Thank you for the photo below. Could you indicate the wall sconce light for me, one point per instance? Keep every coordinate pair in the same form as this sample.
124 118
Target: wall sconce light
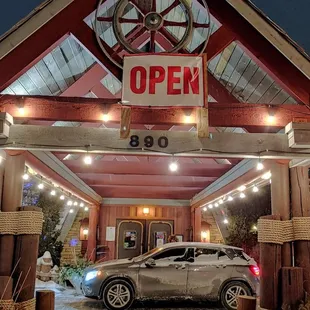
146 211
85 232
204 234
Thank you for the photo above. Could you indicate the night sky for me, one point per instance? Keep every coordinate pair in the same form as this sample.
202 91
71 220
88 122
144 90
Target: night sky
291 15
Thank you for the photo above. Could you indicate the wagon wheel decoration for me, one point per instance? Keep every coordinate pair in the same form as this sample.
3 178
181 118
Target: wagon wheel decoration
149 21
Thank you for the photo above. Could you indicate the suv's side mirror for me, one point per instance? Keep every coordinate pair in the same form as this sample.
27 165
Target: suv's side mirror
150 263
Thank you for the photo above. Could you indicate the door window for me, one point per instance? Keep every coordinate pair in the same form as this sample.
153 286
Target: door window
130 239
206 255
171 255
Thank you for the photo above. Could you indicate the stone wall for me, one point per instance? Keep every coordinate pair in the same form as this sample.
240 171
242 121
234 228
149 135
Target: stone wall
215 233
71 253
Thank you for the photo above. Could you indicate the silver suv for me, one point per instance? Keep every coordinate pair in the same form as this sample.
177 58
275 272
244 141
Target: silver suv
201 271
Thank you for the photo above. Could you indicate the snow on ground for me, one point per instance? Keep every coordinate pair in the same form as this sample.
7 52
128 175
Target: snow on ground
68 299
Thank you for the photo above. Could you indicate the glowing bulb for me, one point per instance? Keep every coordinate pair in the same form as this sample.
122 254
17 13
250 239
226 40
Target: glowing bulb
204 209
204 234
216 205
254 227
210 206
266 176
21 111
26 176
41 186
225 221
242 188
221 201
85 232
187 119
81 204
86 209
69 203
230 198
173 167
260 166
62 197
88 160
146 211
53 193
242 195
71 211
105 117
75 203
271 119
255 189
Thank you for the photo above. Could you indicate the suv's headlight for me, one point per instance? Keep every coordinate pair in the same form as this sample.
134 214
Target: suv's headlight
91 275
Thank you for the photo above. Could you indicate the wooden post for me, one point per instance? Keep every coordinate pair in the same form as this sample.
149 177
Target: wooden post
125 122
196 224
270 259
246 303
92 233
11 201
45 300
7 284
292 287
25 260
280 202
300 196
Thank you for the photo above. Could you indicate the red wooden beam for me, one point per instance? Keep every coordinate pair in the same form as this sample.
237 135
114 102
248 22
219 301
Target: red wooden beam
92 110
41 42
273 61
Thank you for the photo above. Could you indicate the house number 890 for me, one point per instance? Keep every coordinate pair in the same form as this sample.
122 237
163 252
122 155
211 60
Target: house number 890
149 141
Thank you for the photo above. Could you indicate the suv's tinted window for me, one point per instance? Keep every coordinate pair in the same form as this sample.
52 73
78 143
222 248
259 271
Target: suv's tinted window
205 254
176 254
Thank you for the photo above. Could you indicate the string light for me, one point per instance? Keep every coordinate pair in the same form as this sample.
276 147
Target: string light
26 176
255 189
86 209
221 201
210 206
242 188
69 203
260 166
242 195
75 203
88 160
62 197
41 186
53 192
81 204
216 205
204 209
71 211
230 198
266 176
225 221
173 166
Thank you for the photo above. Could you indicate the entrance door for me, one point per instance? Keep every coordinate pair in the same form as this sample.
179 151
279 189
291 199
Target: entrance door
129 238
158 233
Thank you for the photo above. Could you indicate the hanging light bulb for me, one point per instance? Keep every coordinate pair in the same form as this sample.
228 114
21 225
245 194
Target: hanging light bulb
255 189
71 211
242 188
26 176
21 111
88 160
62 197
41 186
69 203
210 206
221 201
225 221
53 192
266 176
260 165
86 209
230 198
75 203
242 195
254 227
216 205
204 209
105 117
173 166
81 204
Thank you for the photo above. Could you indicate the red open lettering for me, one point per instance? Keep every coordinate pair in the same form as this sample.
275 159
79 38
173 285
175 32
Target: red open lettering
134 77
191 80
157 75
172 79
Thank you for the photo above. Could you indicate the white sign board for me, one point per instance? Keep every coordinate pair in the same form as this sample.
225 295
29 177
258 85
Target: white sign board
110 234
163 80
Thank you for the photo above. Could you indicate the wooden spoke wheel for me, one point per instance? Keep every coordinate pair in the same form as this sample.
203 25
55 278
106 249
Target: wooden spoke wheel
149 20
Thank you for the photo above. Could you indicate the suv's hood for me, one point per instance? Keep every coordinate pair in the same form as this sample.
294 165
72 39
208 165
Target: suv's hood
111 263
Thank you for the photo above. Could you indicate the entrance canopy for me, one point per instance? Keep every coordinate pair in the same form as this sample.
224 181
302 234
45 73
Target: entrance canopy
258 82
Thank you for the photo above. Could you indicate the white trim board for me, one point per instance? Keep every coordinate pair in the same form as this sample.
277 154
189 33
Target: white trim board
148 202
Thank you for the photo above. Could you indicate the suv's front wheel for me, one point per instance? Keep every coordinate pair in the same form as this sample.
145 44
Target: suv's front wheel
118 295
230 293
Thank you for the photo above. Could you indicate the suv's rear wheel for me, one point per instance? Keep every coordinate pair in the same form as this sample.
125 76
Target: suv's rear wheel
230 293
118 295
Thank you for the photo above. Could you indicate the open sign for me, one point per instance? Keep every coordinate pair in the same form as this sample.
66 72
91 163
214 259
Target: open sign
163 80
